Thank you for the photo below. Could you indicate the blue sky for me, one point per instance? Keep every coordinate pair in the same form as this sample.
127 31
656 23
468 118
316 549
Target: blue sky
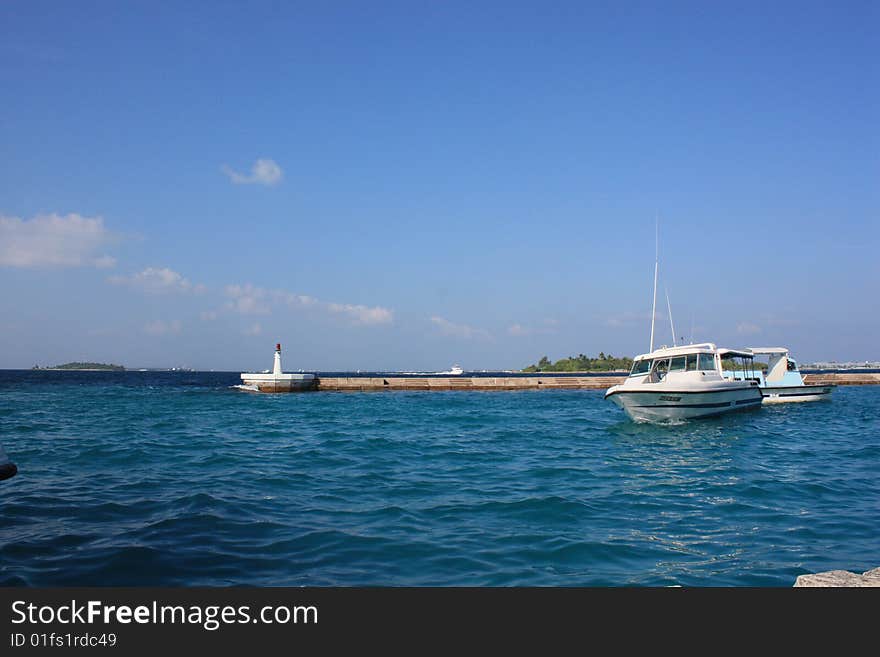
403 185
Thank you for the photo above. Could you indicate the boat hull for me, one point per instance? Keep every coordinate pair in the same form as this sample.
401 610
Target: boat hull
673 405
789 394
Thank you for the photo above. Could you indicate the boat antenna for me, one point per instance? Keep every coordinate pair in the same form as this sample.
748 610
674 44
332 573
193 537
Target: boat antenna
656 266
669 308
692 327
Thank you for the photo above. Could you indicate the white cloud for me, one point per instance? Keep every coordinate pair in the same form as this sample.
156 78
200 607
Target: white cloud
519 330
248 299
294 300
362 314
158 327
53 240
263 172
208 315
746 328
155 280
252 300
253 329
462 331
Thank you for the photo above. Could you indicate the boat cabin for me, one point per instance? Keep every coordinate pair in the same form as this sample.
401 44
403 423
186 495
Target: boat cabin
698 360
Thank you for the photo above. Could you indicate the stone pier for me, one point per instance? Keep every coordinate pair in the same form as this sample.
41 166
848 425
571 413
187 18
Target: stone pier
534 382
363 383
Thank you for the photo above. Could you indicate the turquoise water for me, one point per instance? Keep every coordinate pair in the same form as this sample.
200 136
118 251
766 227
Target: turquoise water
178 479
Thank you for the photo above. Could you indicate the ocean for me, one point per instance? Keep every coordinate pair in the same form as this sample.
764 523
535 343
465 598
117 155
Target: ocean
179 479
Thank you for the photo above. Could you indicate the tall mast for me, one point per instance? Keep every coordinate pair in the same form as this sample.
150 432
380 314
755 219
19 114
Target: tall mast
656 266
669 309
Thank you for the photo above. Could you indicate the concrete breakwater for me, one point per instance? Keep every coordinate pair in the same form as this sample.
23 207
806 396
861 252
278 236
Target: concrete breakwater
537 382
467 383
843 379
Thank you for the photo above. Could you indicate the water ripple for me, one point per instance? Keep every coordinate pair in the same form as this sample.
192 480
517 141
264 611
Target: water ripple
177 479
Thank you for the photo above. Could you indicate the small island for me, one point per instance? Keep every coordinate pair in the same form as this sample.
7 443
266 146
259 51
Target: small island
103 367
582 363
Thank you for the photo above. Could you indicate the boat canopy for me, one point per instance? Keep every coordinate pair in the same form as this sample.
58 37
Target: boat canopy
736 353
668 352
782 351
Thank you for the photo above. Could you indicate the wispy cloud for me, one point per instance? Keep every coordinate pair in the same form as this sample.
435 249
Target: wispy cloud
362 314
462 331
263 172
53 240
252 300
159 327
253 329
208 315
156 280
248 299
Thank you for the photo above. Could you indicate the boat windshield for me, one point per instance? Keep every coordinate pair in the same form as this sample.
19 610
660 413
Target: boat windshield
641 367
792 366
685 363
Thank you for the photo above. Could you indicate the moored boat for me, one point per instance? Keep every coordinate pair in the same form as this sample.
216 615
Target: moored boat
782 381
682 383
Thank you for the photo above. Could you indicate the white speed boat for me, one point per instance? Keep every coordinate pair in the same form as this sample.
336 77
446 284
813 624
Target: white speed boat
682 383
455 370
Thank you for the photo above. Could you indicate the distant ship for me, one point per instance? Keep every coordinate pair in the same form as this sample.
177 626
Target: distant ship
455 370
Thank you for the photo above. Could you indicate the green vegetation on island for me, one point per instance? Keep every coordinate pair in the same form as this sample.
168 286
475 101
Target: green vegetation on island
582 363
609 363
84 366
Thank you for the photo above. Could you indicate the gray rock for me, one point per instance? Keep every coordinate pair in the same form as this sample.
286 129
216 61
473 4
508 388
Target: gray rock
840 578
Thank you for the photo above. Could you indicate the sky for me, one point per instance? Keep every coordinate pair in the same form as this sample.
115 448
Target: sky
404 186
